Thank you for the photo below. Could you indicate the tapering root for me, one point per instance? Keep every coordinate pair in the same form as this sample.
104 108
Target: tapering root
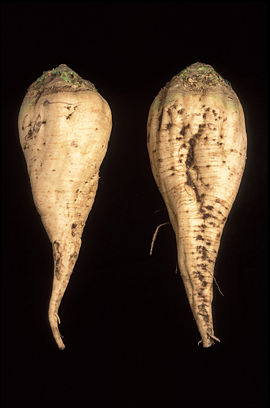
54 321
210 341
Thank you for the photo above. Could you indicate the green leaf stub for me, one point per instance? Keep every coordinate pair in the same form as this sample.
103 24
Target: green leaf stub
200 75
63 71
59 79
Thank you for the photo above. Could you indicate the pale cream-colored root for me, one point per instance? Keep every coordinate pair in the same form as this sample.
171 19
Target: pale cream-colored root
54 321
155 235
205 327
59 287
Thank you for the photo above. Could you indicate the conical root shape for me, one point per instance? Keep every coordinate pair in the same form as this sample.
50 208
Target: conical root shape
196 140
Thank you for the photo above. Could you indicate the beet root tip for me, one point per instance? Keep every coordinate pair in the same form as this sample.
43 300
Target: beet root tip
54 321
209 342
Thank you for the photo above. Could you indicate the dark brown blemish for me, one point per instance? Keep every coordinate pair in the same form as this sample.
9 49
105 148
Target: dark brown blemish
201 209
73 226
200 131
57 257
205 318
200 275
202 307
204 253
203 312
32 133
209 207
190 155
37 126
203 266
169 125
199 237
202 250
184 129
200 293
180 111
190 183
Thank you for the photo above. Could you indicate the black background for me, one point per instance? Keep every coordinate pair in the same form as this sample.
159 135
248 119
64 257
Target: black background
127 326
